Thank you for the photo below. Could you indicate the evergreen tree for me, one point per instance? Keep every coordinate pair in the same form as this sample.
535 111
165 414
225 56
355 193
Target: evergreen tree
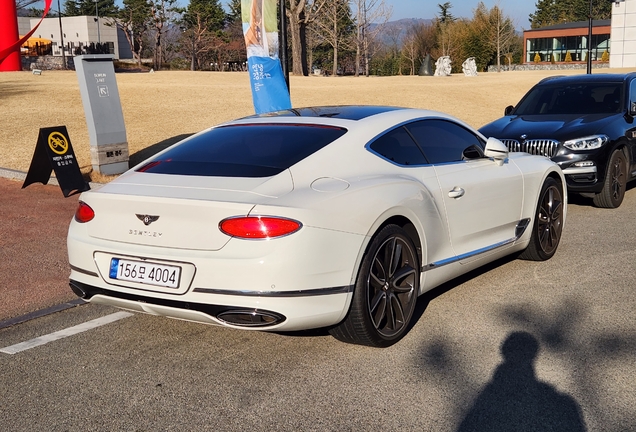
444 13
206 13
234 30
334 27
71 8
444 22
235 11
135 19
101 8
551 12
204 21
163 11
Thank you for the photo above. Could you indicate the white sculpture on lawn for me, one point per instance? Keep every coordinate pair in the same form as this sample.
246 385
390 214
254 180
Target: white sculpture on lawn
443 66
470 67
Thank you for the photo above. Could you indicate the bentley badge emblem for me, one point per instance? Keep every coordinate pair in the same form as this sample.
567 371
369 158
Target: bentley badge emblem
146 219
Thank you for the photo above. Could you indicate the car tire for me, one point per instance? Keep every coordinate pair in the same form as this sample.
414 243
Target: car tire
548 223
385 292
615 182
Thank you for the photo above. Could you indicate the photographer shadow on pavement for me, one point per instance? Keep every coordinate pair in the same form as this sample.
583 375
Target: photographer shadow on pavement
514 400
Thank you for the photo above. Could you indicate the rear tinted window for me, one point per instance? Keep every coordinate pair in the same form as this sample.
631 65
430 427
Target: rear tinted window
580 98
261 150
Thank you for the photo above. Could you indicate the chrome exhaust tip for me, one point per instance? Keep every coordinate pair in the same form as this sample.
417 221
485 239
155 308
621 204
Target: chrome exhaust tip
250 318
77 289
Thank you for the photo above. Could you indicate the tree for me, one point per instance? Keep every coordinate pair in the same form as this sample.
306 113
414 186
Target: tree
208 12
300 14
162 12
101 8
550 12
452 35
496 31
234 15
71 8
391 61
204 21
444 24
297 16
444 13
171 47
236 50
22 4
334 26
425 35
134 20
368 12
409 50
420 39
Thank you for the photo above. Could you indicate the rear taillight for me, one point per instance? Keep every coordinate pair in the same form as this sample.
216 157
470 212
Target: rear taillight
254 227
84 213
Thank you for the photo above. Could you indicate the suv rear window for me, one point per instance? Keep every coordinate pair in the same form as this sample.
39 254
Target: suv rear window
247 150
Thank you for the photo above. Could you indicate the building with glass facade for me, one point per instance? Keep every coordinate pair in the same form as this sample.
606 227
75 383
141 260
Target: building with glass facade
553 43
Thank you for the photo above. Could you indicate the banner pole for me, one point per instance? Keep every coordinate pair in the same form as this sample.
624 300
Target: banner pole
282 41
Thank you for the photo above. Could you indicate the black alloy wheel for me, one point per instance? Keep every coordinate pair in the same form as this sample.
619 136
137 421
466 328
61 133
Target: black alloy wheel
615 182
385 293
548 223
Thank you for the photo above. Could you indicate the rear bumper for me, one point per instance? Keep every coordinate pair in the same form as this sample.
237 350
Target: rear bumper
293 283
299 310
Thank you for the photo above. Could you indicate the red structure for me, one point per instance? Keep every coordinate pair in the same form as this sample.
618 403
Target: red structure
9 36
10 41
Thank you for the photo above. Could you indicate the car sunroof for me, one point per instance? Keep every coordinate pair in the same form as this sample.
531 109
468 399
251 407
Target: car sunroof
347 112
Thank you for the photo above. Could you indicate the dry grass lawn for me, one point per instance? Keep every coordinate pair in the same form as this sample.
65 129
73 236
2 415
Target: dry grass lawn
163 106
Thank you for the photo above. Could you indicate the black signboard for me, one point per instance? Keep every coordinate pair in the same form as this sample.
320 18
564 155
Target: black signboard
54 152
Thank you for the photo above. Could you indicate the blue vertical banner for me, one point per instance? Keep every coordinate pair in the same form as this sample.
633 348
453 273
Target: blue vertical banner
260 28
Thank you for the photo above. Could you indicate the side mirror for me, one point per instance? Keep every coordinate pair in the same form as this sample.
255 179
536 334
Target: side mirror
496 150
632 109
472 152
508 110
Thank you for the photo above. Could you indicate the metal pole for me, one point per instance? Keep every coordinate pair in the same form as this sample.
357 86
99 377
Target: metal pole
282 41
59 16
589 42
99 39
193 65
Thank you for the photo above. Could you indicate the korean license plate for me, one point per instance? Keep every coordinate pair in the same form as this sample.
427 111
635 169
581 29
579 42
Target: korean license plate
145 272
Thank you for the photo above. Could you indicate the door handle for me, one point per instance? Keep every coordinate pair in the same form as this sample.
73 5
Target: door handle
456 192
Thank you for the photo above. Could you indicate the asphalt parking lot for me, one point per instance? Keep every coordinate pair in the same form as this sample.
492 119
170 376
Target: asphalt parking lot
517 346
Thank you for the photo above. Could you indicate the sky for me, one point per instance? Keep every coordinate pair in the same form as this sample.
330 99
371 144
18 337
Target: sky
517 10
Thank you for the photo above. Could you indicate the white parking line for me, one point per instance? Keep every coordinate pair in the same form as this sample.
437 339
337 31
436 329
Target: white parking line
23 346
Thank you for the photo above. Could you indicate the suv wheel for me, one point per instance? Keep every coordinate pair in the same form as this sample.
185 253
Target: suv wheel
615 182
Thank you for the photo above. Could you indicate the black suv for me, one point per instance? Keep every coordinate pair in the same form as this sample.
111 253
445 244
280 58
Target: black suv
584 123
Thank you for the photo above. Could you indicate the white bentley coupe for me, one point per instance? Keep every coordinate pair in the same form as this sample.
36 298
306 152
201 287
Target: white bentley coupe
333 217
